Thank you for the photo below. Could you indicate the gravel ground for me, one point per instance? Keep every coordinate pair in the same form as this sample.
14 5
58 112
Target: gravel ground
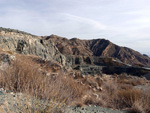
91 109
18 103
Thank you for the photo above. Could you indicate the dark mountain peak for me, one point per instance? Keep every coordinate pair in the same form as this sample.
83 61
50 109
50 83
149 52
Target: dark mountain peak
145 55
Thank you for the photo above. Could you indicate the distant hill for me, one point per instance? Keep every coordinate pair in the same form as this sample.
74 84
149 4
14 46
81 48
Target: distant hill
52 46
98 47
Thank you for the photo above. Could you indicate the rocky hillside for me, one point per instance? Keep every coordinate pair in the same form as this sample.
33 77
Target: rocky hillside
52 74
88 56
63 50
25 43
98 47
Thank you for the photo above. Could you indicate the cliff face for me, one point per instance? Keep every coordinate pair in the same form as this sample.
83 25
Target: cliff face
24 43
99 48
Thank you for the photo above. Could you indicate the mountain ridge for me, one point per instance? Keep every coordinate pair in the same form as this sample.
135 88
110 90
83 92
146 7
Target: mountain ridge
78 47
100 48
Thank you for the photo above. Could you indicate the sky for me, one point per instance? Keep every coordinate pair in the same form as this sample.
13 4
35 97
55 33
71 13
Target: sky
123 22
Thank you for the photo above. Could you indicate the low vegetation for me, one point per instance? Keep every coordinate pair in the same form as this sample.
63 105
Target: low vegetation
57 89
23 77
123 95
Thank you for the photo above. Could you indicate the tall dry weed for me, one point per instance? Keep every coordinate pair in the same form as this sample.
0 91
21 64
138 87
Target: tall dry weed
23 77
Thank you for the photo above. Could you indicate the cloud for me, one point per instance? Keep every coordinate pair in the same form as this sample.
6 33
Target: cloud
76 26
87 21
123 22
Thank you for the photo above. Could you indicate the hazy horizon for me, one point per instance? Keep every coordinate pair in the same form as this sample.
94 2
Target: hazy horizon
123 22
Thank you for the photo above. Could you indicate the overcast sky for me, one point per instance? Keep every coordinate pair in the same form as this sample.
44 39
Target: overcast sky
124 22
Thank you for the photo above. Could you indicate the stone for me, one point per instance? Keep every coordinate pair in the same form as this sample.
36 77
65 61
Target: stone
5 60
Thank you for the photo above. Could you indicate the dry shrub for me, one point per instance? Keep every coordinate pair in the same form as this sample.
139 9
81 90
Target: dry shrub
128 97
135 100
109 93
93 82
137 108
146 102
137 82
22 76
142 105
90 101
70 89
121 96
124 96
125 86
131 80
110 87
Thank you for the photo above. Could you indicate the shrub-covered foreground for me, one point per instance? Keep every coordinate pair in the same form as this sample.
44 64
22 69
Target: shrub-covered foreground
23 77
61 89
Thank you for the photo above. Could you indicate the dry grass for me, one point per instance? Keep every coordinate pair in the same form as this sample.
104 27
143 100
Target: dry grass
23 76
26 75
115 94
142 105
122 96
109 93
135 100
129 97
131 80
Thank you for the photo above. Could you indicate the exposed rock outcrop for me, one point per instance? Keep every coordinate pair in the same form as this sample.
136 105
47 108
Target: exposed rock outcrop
88 56
5 60
24 43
